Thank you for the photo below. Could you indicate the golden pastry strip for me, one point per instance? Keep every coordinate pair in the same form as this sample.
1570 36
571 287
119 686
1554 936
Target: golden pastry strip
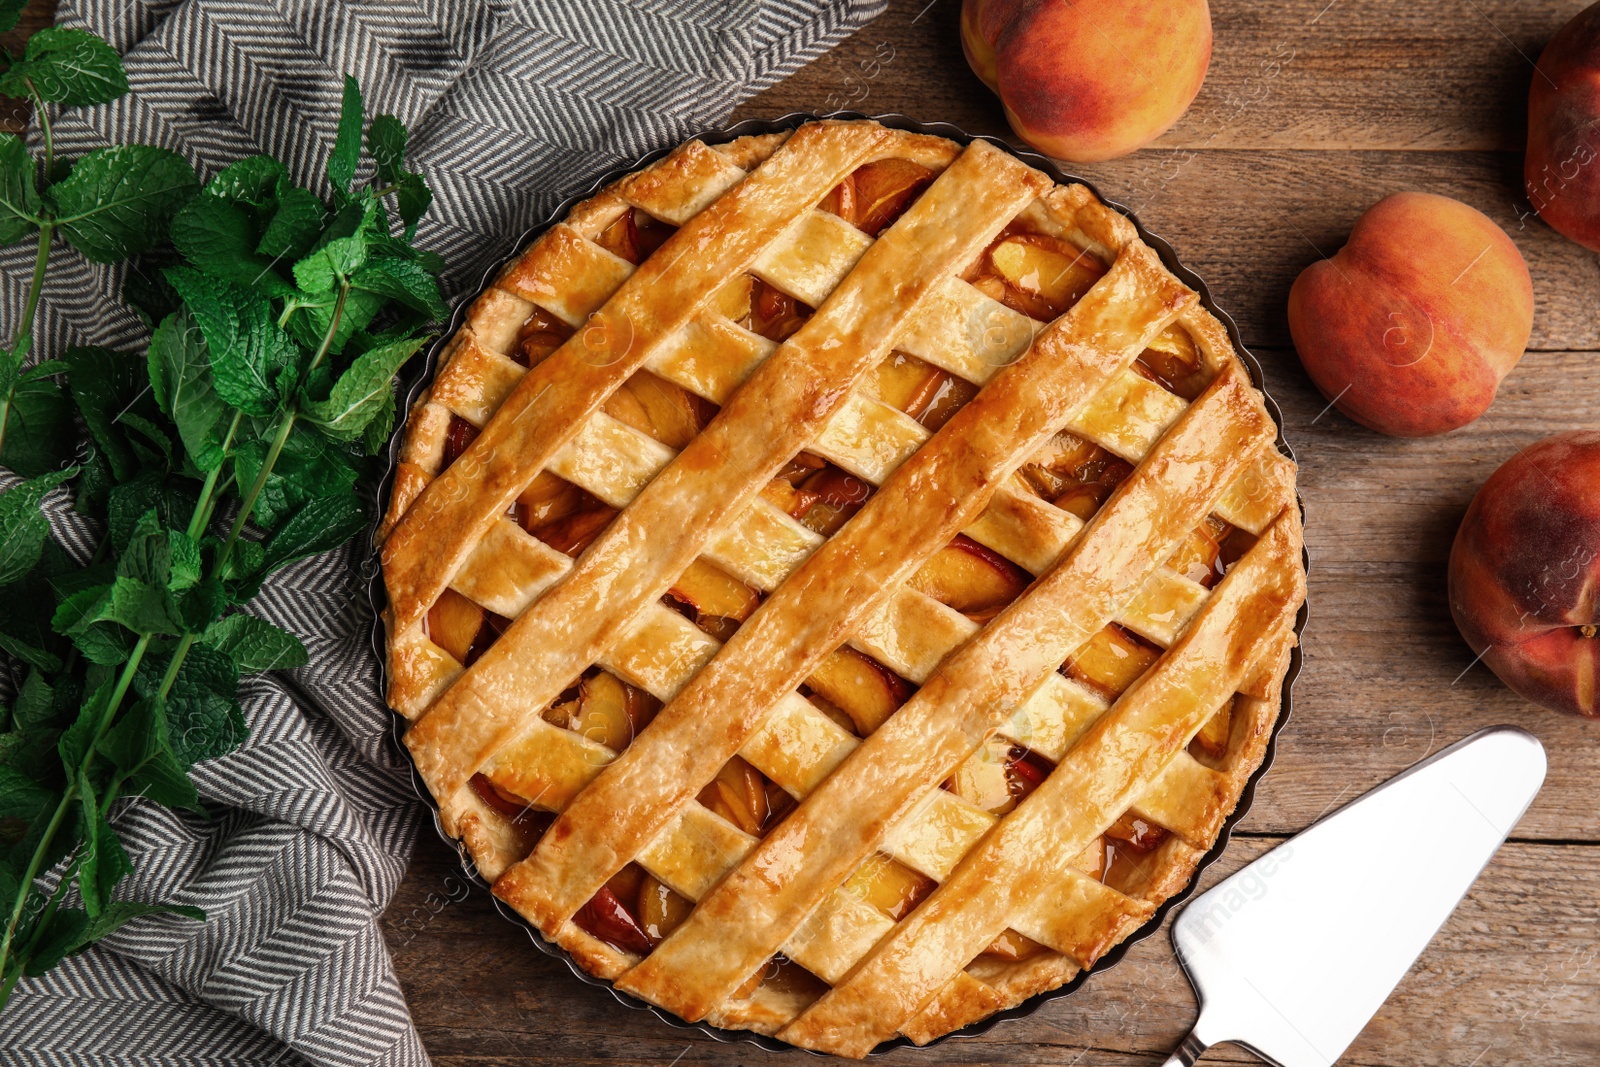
782 406
877 787
1002 879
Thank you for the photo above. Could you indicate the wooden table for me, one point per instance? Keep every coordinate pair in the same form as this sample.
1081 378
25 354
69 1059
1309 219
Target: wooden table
1313 110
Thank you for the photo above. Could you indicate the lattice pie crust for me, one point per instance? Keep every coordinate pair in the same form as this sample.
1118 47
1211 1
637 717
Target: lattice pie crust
840 582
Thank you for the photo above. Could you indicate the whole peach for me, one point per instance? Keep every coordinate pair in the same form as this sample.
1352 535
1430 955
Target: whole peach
1525 573
1092 79
1561 172
1411 326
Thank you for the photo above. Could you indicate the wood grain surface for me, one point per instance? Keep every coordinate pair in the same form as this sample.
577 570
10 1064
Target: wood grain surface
1311 111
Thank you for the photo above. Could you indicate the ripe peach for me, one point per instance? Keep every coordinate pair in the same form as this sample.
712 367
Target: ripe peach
1525 573
1411 326
1092 79
1561 172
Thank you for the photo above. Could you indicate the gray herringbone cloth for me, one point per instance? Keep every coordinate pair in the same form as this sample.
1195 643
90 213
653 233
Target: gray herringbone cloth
512 104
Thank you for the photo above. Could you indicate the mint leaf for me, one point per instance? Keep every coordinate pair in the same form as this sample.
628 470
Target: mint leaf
66 66
35 704
102 862
311 465
20 796
324 523
144 608
295 226
23 527
412 200
203 715
402 280
250 356
386 140
140 606
332 263
132 740
106 386
10 12
180 378
376 435
218 238
253 180
73 744
359 394
118 201
347 145
148 557
25 630
255 645
139 746
146 290
39 434
360 307
162 779
19 200
174 501
105 643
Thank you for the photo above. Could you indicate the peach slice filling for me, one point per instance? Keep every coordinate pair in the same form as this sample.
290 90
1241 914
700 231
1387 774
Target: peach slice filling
855 690
971 578
875 194
921 390
1034 274
461 627
540 334
1076 475
560 514
604 709
712 599
1209 550
762 308
634 235
1173 362
661 409
815 493
1043 276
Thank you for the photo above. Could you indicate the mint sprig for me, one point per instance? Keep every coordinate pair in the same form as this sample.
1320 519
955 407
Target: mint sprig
230 448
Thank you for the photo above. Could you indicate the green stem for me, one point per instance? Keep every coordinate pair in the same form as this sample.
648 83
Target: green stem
35 288
60 814
254 492
333 328
44 128
5 989
208 491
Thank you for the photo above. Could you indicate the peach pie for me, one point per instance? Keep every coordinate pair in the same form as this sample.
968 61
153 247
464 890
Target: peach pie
839 583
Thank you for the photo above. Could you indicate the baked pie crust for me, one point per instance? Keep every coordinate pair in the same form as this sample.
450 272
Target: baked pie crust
876 573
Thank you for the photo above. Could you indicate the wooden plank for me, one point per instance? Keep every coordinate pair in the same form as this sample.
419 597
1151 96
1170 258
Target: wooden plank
1249 222
1510 979
1296 74
1387 678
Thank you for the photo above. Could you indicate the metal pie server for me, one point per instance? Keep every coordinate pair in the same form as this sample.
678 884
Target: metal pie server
1291 956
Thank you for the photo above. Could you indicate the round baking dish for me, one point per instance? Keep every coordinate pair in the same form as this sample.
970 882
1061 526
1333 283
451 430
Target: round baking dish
419 374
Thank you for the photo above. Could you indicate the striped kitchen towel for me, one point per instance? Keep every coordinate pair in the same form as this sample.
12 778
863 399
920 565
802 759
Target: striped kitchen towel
512 104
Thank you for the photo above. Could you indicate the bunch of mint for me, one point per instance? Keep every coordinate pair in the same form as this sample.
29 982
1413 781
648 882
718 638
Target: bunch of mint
231 448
